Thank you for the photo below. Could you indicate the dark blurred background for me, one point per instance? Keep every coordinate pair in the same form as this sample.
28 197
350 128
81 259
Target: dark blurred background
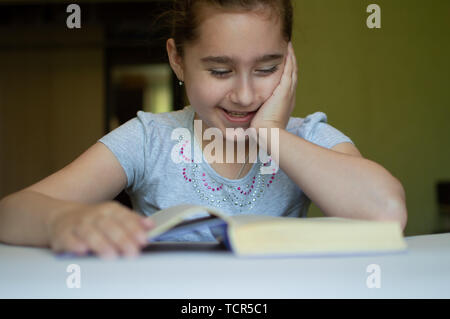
62 89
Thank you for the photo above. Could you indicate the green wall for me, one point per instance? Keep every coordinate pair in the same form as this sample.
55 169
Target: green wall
388 89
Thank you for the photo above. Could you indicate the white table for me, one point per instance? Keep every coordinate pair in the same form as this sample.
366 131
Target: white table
170 271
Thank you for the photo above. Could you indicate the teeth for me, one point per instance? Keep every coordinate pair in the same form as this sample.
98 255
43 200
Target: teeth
237 114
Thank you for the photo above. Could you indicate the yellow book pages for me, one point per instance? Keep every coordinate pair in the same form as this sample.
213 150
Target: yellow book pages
265 235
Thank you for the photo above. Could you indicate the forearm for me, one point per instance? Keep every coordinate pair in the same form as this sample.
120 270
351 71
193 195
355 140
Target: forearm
25 215
341 185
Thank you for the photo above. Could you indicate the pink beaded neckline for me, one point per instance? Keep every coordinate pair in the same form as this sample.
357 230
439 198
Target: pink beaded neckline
243 196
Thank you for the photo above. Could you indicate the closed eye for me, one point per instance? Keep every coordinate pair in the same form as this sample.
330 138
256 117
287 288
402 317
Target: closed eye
219 73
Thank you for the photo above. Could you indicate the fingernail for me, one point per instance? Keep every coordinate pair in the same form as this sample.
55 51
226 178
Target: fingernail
148 222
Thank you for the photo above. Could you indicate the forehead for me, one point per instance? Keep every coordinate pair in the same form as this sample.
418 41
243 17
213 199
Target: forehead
244 35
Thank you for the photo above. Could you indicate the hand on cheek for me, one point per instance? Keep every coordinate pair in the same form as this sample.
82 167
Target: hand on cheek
277 109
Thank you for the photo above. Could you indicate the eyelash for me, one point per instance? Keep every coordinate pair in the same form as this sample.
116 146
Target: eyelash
221 74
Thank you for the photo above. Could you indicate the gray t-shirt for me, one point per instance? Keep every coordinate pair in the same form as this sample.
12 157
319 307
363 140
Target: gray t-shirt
163 169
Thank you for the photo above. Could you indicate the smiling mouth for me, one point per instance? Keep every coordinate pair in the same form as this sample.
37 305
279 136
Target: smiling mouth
237 114
238 117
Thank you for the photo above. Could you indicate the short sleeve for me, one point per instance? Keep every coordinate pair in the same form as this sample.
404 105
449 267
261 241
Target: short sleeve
315 129
127 143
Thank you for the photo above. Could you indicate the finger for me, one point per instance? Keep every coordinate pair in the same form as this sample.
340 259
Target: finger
292 105
147 222
284 85
68 242
287 73
133 223
114 207
294 69
135 226
96 241
116 233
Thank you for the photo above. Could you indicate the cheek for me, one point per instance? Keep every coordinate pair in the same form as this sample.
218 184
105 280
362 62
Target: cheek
205 94
270 85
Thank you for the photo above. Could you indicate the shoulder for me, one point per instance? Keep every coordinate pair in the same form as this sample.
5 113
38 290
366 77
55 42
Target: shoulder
174 119
316 129
304 127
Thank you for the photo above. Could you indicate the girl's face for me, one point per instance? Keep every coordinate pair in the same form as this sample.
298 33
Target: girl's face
235 65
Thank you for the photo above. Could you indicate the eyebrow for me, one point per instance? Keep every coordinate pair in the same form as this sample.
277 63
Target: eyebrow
228 60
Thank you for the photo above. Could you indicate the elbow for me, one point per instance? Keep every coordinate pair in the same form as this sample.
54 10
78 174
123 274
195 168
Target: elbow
395 207
396 210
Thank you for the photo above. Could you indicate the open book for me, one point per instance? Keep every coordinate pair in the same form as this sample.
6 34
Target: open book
261 235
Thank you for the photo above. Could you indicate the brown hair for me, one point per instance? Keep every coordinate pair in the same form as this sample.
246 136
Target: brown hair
185 17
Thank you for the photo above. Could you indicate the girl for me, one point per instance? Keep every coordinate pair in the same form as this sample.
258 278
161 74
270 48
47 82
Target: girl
238 65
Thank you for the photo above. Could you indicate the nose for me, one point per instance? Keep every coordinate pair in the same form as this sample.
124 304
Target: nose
243 92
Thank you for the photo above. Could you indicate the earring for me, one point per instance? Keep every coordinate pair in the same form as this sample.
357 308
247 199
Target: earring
180 83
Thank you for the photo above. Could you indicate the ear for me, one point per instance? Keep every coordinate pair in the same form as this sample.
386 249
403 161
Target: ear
175 60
